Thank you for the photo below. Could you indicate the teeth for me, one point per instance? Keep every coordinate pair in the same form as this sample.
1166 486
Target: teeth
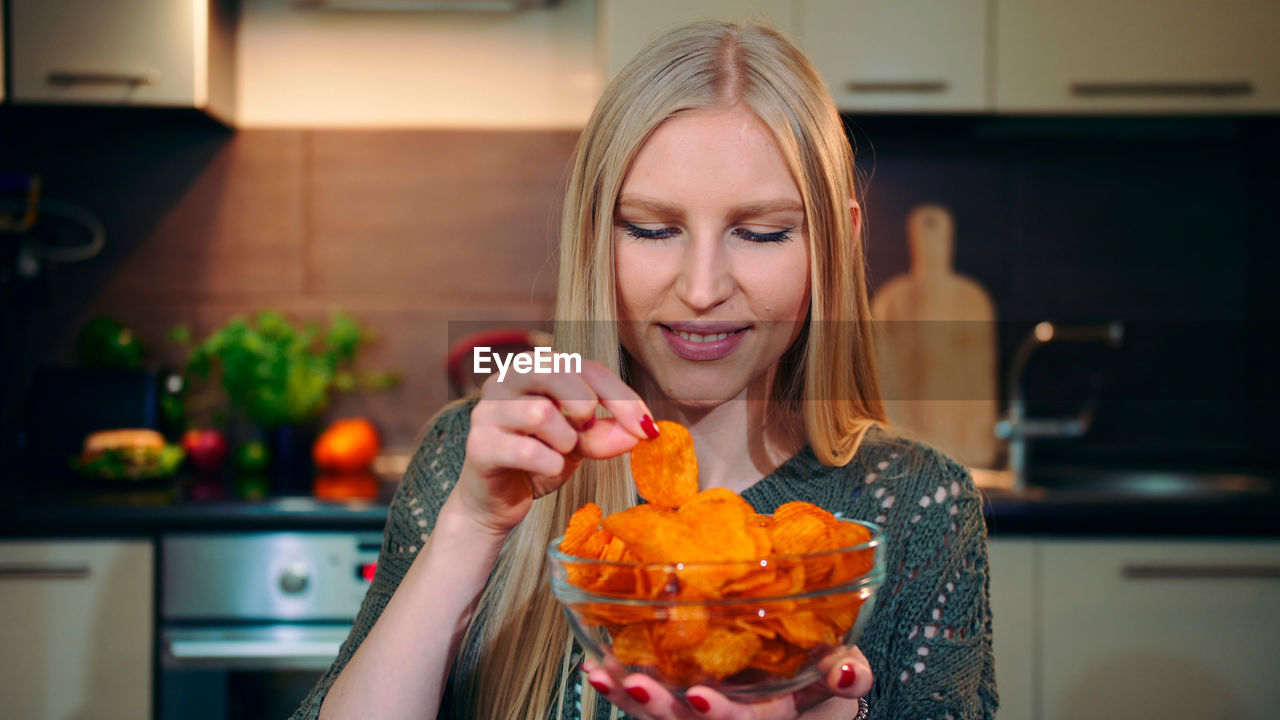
695 337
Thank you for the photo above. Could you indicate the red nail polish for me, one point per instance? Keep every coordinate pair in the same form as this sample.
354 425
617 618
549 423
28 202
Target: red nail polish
646 424
640 694
847 676
699 703
600 687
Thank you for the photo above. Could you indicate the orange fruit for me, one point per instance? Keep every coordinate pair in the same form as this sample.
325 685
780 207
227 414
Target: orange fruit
348 445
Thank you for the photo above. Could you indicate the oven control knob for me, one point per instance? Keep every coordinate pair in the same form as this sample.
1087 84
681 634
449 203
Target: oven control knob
294 578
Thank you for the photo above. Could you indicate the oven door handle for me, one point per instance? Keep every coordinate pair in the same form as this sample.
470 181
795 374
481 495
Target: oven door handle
299 654
252 649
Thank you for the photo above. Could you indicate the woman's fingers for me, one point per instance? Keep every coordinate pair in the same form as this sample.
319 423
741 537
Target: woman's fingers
639 696
848 674
712 705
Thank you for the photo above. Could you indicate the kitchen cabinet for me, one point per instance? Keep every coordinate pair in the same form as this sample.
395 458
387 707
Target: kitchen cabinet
1012 565
76 631
172 53
1136 56
1159 629
907 55
626 26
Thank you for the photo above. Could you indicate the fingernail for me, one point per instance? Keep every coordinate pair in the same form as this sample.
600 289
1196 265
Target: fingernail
646 424
699 703
587 425
847 676
640 694
600 687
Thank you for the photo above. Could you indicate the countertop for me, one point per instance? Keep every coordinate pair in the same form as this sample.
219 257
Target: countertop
179 506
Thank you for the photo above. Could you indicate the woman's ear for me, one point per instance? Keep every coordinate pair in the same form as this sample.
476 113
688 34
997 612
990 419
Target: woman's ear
855 218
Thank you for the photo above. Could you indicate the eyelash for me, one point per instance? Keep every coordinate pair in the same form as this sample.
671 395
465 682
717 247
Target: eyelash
669 232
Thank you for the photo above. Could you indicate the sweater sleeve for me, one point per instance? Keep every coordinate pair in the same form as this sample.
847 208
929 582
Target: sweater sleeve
938 654
427 482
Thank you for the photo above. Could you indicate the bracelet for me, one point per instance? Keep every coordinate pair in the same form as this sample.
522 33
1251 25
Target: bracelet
862 709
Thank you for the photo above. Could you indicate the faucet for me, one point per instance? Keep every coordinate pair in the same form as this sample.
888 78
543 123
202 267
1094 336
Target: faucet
1016 427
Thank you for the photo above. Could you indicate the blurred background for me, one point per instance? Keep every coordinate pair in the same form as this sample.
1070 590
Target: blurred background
1093 182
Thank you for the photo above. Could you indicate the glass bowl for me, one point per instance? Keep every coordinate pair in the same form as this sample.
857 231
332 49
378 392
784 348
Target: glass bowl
750 630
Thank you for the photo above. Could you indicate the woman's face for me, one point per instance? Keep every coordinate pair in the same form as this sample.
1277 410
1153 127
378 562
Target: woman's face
712 256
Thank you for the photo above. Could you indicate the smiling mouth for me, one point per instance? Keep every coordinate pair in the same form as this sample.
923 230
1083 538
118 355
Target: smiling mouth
703 337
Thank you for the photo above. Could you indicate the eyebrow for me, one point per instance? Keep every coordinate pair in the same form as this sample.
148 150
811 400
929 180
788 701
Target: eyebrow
746 210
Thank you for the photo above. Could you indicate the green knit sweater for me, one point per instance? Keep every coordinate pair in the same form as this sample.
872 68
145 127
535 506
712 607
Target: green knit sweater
929 637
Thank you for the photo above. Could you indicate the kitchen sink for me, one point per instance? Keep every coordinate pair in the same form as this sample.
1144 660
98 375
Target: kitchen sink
1089 484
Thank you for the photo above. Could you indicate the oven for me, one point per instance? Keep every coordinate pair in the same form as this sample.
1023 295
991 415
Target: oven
249 622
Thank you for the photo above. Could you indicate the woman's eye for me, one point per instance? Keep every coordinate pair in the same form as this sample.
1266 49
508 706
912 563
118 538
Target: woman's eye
638 232
773 237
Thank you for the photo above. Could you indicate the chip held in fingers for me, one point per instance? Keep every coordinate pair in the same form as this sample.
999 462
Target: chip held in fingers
666 468
697 587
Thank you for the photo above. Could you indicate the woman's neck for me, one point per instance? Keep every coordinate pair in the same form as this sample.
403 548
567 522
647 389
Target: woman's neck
739 441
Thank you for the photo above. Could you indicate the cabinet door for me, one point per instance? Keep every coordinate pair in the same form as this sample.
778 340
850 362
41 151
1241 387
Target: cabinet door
75 631
1012 565
625 26
1137 56
133 52
1160 630
917 55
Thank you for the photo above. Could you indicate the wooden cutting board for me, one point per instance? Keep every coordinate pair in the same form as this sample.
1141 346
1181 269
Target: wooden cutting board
936 347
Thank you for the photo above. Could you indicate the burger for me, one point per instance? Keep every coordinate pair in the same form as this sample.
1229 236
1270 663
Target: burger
127 454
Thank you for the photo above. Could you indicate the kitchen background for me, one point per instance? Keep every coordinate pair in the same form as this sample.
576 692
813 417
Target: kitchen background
406 168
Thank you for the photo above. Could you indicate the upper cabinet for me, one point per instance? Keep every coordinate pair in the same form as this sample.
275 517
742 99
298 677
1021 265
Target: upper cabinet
172 53
1006 56
625 26
1138 56
906 55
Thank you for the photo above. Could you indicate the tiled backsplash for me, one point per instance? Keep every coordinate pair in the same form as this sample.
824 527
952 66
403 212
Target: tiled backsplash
1166 224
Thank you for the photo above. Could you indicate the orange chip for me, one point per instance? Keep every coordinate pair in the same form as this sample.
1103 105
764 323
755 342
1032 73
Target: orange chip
584 537
778 657
804 629
634 646
666 468
726 652
685 626
655 535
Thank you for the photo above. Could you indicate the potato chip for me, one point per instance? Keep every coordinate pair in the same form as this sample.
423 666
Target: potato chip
685 626
666 468
726 652
654 534
584 537
634 646
804 629
778 657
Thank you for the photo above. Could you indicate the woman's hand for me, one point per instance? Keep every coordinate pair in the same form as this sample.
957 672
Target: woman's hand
529 432
847 676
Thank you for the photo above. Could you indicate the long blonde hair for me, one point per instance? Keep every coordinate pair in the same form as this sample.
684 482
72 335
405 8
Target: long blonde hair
828 374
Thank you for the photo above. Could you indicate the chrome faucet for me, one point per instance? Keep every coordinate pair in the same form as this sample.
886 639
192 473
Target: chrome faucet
1016 427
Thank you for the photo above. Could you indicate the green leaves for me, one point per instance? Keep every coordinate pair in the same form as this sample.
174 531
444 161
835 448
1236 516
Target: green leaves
280 374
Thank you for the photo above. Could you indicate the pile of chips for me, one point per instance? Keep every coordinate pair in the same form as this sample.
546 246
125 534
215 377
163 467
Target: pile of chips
720 574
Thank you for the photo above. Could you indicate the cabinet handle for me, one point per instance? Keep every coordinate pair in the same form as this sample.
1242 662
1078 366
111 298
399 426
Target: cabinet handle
67 78
1200 572
919 87
1162 89
25 571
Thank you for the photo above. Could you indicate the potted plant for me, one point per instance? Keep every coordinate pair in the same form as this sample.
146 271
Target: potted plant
282 378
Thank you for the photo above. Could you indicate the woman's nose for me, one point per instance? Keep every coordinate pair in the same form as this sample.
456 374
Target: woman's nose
705 279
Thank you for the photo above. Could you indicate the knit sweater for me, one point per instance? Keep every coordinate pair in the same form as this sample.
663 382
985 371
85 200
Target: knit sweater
928 639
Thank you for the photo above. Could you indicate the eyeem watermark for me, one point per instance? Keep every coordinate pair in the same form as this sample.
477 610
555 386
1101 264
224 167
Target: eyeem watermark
540 361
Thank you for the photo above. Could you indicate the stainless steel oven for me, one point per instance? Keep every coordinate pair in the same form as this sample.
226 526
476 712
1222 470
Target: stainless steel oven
250 621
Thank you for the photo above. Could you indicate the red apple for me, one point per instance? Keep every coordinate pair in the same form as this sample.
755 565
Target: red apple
206 449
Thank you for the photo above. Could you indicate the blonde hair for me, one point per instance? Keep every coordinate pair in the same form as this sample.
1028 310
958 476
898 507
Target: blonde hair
827 374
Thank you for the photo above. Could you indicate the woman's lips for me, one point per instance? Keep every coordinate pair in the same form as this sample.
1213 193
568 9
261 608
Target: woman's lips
703 346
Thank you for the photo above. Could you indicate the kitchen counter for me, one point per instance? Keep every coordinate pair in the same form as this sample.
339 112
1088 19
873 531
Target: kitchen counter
68 512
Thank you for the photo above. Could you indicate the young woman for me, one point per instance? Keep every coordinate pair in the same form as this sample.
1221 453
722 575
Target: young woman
711 267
